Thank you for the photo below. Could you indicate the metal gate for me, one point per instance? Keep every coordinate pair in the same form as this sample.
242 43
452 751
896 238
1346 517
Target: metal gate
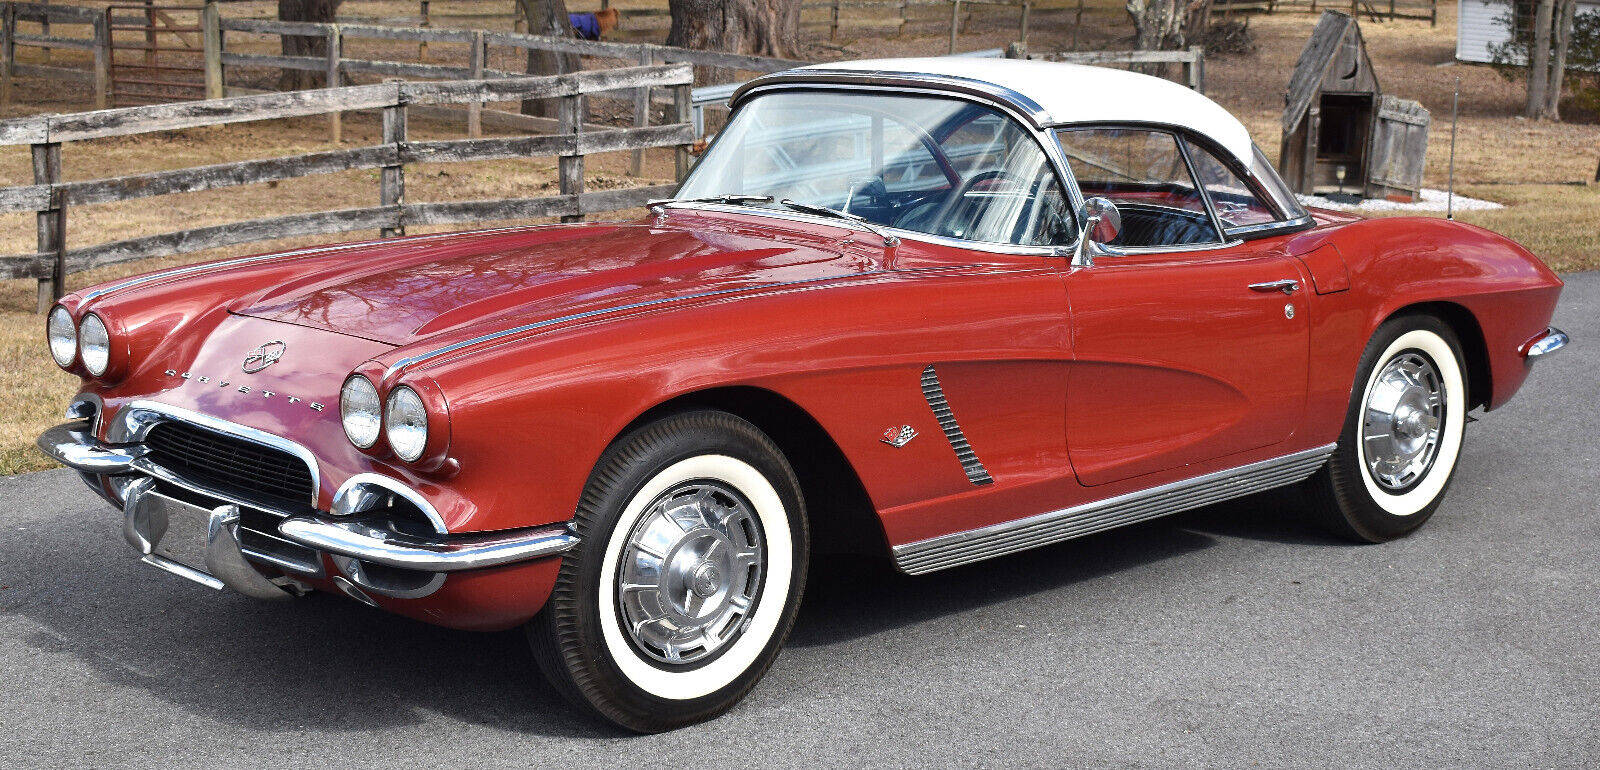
156 53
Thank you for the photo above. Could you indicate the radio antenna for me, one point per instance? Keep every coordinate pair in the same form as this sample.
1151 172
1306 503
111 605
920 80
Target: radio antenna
1455 114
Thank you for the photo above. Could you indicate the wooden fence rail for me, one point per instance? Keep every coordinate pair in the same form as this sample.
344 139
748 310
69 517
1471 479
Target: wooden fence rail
217 57
50 197
1193 61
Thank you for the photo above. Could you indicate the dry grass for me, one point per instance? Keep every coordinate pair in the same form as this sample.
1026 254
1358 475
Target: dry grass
1500 157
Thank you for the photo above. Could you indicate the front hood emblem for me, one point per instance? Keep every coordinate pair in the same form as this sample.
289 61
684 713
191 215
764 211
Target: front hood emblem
264 356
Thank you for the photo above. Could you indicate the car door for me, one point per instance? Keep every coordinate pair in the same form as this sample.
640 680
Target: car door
1189 346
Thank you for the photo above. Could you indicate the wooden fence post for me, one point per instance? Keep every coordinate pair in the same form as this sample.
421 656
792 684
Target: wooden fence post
211 45
149 31
681 100
1196 69
569 122
8 50
336 119
427 21
833 31
1022 32
901 30
641 112
955 18
102 61
476 58
47 171
392 179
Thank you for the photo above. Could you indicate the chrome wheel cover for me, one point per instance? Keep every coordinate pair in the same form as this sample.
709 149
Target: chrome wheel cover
690 572
1402 421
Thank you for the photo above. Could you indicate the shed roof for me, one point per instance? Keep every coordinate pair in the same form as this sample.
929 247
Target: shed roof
1321 51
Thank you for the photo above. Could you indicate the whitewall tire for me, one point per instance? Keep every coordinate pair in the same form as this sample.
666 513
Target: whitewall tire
688 577
1402 436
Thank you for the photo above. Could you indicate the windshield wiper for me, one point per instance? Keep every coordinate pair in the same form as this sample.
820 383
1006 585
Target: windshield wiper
888 240
727 200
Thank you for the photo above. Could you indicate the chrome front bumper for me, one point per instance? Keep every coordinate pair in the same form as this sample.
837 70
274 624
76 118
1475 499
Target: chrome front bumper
73 445
1545 344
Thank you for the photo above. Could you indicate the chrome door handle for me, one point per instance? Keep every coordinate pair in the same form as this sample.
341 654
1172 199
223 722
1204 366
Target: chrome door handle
1287 286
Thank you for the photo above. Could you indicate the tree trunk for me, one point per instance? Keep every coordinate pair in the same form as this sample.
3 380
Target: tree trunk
1539 61
1558 59
1159 24
759 27
547 17
320 11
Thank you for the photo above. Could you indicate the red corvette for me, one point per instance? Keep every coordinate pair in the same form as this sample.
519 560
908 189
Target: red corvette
943 309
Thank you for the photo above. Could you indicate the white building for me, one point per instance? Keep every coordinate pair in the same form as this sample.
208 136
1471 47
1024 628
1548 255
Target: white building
1481 23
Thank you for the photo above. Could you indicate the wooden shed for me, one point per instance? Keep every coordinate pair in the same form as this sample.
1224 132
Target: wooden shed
1336 119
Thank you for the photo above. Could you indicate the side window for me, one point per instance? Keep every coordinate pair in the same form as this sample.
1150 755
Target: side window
1236 205
1143 172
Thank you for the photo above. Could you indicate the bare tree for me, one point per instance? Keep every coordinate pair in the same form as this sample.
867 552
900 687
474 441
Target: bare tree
547 17
295 45
760 27
1167 25
1547 59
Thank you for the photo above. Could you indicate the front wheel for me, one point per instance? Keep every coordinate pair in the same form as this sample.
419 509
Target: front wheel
688 577
1402 435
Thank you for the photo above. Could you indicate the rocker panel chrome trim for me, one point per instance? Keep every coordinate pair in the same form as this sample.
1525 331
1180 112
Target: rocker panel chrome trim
1043 529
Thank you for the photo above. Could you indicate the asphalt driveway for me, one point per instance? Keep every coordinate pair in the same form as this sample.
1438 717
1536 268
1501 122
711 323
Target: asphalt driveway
1226 637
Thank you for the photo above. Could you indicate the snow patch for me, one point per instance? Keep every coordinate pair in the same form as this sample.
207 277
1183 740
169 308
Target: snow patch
1432 200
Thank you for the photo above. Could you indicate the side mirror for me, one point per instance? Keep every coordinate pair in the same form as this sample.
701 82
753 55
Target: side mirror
1101 223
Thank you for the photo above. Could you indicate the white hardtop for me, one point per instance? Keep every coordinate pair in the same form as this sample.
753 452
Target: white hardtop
1074 93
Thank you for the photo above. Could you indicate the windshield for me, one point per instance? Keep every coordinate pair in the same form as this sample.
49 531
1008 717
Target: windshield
924 164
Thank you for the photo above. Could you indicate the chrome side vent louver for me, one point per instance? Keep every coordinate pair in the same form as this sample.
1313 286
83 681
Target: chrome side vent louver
934 393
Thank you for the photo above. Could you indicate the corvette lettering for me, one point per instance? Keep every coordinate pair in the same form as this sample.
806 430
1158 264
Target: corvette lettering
243 388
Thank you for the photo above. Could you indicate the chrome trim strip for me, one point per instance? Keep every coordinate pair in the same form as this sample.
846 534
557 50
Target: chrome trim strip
409 361
1022 105
135 420
1248 232
933 393
1043 529
443 554
361 492
72 445
1550 342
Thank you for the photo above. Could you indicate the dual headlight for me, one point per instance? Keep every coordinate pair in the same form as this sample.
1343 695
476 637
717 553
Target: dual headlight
89 342
403 419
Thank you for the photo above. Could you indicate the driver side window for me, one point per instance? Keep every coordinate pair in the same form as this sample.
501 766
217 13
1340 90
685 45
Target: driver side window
1143 171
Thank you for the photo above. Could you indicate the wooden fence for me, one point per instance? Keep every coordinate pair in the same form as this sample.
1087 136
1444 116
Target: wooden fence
49 18
335 65
1375 10
1193 61
50 197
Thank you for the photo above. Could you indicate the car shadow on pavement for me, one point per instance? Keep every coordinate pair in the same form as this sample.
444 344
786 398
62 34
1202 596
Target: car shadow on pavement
838 607
76 595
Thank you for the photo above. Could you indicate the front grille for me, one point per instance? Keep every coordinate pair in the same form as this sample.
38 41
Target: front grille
227 463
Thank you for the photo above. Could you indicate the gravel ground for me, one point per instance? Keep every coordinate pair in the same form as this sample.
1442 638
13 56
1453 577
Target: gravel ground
1226 637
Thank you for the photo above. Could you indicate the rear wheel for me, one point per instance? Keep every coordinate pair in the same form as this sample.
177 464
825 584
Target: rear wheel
1402 434
687 579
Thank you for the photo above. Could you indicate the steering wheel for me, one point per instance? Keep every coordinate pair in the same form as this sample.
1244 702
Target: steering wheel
960 211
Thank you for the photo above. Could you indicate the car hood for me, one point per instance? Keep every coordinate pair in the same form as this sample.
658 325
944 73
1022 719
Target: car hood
406 291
